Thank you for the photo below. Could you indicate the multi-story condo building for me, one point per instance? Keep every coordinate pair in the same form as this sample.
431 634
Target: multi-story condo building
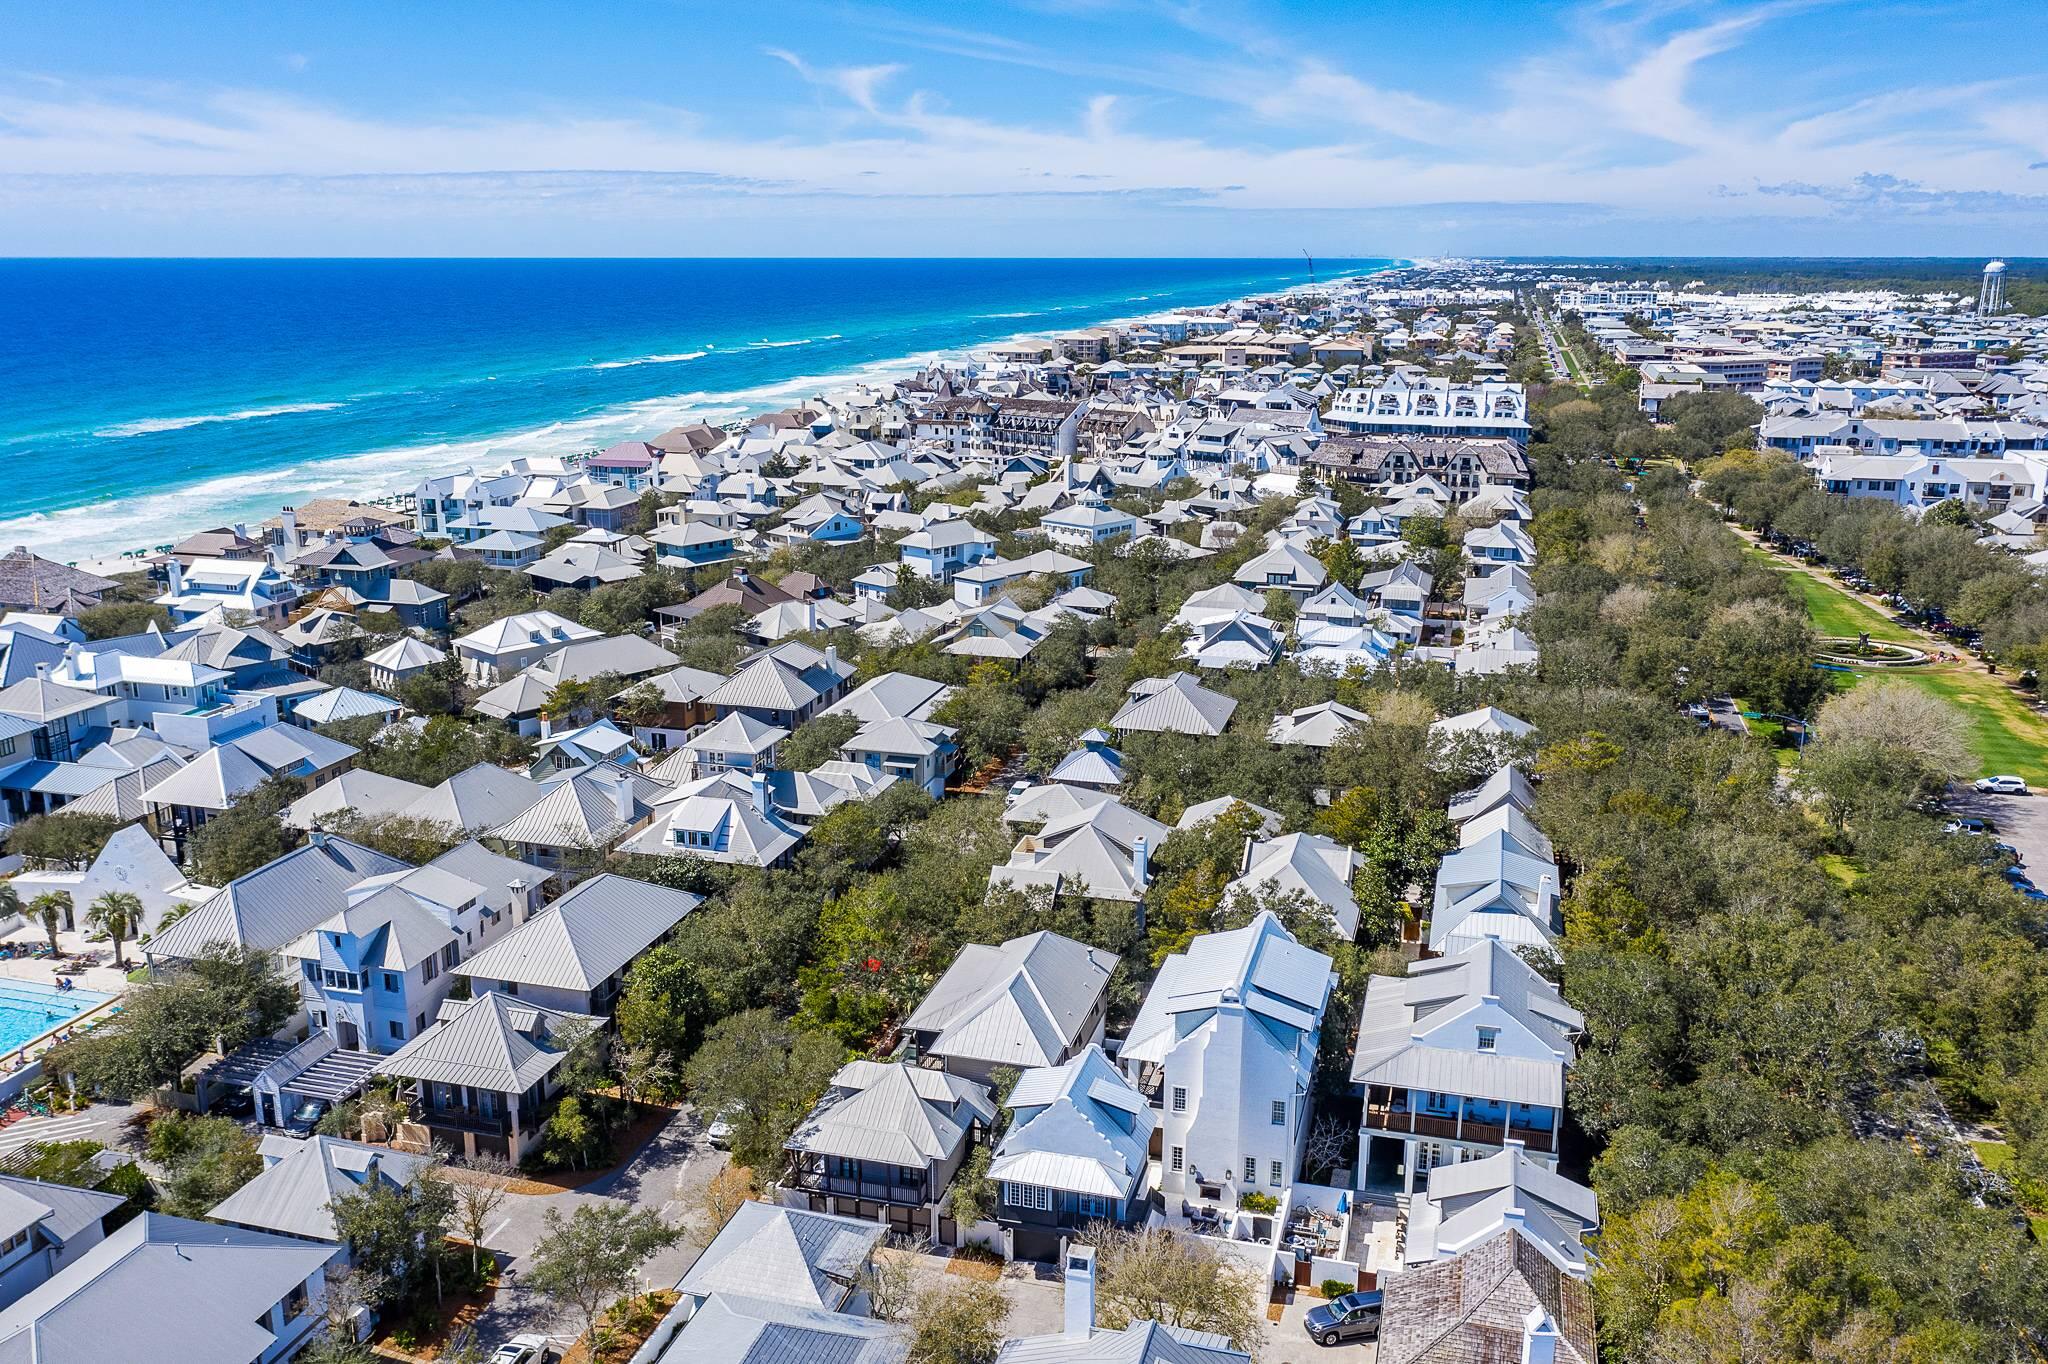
1415 404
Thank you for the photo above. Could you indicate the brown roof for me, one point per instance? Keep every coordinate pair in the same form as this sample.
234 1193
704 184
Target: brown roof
1499 456
698 437
31 582
1471 1309
744 590
335 513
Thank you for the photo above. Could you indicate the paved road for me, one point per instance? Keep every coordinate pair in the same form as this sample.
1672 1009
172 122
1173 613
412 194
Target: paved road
675 1164
2019 820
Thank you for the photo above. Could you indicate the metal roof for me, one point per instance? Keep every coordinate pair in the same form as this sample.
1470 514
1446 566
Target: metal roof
163 1289
810 1259
492 1042
893 1112
278 902
1022 1004
584 938
302 1177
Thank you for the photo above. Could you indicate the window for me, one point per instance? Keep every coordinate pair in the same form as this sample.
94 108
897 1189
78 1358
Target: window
397 1029
1032 1196
1179 1158
1180 1099
428 970
1489 1039
342 980
1091 1205
419 1022
1277 1178
1279 1112
391 982
1251 1169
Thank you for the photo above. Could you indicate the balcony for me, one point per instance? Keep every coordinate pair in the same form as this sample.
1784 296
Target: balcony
465 1120
811 1179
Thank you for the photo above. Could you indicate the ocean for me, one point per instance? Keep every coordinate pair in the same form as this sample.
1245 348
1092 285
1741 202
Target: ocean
144 399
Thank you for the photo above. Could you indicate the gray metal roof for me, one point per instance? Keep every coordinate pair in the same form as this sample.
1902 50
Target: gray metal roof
65 1211
1142 1342
302 1177
278 902
1021 1004
492 1042
162 1289
731 1328
584 938
479 797
811 1259
1177 705
893 1112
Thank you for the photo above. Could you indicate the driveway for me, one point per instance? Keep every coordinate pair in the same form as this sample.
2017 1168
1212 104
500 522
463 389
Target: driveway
675 1164
1287 1342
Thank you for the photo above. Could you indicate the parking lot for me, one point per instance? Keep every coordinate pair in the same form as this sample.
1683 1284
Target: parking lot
2021 821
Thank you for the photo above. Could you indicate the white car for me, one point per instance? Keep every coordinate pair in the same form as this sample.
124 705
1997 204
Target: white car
525 1350
2002 786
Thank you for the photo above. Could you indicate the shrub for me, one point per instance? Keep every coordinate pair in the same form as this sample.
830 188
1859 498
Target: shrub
1251 1200
1335 1288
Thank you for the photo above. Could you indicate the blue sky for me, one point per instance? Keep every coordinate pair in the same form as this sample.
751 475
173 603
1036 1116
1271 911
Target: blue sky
1048 127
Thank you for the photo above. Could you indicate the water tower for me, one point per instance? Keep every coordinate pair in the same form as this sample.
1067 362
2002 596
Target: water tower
1991 293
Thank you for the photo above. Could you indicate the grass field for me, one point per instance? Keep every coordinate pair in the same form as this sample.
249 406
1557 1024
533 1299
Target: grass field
2006 733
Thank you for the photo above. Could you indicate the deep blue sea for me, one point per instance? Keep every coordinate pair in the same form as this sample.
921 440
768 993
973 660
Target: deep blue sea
141 399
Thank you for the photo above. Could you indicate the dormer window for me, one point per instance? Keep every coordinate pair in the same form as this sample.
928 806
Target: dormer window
1489 1039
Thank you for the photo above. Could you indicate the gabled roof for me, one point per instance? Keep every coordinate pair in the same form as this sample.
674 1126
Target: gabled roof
585 937
1021 1004
1142 1342
1315 726
732 1328
1410 1032
581 809
1259 966
1078 1126
163 1289
59 1211
278 902
1475 1307
892 696
1507 786
1468 1201
1306 864
478 797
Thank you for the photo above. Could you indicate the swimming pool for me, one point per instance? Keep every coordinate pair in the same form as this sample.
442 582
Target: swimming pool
28 1010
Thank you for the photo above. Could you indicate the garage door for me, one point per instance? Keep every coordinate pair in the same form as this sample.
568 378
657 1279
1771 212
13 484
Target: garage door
1036 1243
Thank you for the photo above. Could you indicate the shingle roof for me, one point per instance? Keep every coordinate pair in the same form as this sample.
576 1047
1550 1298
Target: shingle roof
585 937
1472 1309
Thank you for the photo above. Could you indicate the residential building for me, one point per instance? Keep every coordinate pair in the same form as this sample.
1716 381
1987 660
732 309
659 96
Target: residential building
1033 1001
483 1077
1456 1059
1502 1299
44 1228
302 1177
504 647
884 1143
573 954
1225 1046
174 1291
1471 1201
1174 705
1075 1153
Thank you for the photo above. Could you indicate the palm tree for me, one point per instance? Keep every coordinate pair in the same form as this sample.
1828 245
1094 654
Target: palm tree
10 900
50 910
117 914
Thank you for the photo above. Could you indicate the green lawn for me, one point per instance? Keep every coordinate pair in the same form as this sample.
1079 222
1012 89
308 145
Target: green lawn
1998 1158
2006 733
1837 613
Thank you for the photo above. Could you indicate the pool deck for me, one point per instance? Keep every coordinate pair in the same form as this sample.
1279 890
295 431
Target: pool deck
100 978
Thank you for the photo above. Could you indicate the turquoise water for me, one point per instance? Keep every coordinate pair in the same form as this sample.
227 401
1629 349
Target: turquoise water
28 1010
141 399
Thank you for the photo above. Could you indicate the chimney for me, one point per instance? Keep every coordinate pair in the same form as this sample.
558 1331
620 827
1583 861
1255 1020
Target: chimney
1079 1279
1244 863
547 726
832 657
317 837
1539 1338
1543 892
760 793
1141 861
622 797
290 517
43 671
516 906
176 571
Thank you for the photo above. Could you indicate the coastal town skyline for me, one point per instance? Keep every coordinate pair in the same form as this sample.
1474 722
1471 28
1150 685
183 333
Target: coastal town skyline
1047 129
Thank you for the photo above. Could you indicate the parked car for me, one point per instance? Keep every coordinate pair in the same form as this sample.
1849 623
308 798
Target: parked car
2002 785
306 1116
719 1133
1017 790
1965 824
525 1349
1355 1316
